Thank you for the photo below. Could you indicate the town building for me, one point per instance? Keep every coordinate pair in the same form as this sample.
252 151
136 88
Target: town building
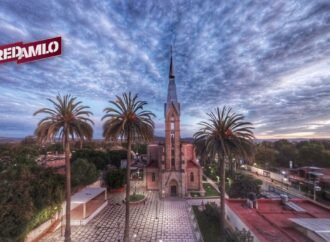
280 220
53 160
172 167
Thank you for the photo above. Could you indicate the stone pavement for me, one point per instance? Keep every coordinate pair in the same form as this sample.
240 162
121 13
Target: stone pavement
158 220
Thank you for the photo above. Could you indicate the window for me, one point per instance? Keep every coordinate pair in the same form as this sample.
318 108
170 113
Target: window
173 163
153 177
191 176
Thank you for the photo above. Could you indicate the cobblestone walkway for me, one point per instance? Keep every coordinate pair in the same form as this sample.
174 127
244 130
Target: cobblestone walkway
157 220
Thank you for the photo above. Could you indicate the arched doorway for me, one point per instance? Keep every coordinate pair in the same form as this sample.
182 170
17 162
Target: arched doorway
173 188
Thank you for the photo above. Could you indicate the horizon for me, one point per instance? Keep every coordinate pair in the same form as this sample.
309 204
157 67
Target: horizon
273 67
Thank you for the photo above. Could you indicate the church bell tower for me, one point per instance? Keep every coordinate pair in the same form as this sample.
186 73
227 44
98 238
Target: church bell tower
172 124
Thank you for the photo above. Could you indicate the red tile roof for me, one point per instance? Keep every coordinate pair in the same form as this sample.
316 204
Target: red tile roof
270 222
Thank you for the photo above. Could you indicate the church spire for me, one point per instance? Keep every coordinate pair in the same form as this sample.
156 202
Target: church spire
171 93
171 73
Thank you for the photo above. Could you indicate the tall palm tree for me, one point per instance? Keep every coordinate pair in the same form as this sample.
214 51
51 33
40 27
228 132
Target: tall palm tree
223 134
127 120
67 119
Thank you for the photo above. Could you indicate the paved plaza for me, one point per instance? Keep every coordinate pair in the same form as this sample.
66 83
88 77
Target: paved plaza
158 220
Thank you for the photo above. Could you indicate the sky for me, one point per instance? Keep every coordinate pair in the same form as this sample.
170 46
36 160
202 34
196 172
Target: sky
268 60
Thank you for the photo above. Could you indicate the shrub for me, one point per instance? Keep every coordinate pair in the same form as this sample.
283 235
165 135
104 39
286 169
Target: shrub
136 197
26 190
115 178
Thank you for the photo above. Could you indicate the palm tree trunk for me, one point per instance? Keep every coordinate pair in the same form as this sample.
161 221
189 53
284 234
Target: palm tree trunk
222 173
67 233
222 189
128 186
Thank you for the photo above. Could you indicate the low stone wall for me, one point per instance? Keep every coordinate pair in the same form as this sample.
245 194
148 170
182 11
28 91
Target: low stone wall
41 229
194 224
116 190
142 201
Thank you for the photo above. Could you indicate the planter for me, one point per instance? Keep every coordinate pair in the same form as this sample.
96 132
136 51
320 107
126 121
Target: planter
142 201
116 190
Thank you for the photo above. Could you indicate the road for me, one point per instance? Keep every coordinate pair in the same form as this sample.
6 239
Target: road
267 182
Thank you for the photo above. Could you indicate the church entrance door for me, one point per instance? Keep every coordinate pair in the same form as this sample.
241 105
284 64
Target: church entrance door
173 188
173 191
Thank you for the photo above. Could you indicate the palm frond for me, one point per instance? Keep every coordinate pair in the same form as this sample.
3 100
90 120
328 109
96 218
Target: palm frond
67 116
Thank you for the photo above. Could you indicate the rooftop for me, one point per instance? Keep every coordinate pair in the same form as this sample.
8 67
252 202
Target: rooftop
273 221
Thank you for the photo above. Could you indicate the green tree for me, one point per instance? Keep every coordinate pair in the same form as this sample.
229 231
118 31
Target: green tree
127 120
286 152
67 119
242 185
83 172
265 155
223 134
55 147
311 153
115 178
26 190
99 158
16 204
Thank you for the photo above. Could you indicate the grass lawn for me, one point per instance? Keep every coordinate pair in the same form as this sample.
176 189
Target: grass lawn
209 226
209 229
136 197
195 194
209 190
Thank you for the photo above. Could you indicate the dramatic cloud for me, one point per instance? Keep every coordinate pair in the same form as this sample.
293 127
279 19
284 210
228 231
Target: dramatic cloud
269 60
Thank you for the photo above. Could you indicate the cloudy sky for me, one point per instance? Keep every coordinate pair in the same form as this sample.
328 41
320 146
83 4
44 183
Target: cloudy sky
269 60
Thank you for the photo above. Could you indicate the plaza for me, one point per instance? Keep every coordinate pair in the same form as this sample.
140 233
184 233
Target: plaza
164 220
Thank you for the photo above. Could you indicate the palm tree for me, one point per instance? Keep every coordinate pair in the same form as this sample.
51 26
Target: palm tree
223 134
67 119
126 119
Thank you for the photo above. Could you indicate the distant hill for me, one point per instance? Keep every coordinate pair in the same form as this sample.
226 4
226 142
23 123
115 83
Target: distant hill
10 140
291 140
162 139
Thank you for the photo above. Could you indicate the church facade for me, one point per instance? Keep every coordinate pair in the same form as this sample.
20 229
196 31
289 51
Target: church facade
172 167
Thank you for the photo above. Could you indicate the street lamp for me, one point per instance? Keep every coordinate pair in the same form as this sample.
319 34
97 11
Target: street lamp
118 224
285 180
316 189
156 209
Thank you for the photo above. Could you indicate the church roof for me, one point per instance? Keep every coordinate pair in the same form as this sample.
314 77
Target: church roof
192 164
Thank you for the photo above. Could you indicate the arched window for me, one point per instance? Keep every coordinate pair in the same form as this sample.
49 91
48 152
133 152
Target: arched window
191 176
153 177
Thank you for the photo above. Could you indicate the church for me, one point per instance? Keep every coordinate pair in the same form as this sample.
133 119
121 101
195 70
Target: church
172 167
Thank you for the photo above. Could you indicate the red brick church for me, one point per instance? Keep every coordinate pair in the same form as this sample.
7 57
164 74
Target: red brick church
172 167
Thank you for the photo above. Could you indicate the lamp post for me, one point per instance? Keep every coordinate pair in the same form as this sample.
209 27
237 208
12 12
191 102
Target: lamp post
283 178
118 226
284 181
157 200
316 189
